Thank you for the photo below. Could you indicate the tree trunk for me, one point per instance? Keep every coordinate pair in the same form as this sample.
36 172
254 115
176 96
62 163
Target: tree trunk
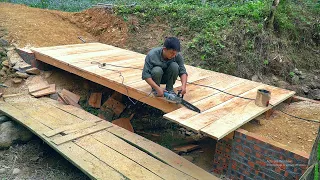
270 20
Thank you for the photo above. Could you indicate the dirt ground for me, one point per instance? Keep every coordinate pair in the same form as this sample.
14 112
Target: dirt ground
38 161
287 130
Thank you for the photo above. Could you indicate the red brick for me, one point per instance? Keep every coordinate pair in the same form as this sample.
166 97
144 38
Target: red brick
234 167
257 148
286 174
241 153
261 163
251 164
258 155
278 170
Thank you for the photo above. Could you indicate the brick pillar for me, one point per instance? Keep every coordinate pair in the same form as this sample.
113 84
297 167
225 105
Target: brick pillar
222 156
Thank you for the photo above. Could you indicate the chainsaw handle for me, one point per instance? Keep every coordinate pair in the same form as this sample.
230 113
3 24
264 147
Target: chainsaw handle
179 94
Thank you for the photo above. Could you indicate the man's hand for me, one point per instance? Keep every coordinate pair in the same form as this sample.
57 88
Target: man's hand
183 90
160 92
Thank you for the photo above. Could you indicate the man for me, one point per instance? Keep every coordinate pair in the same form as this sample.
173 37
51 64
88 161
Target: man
163 65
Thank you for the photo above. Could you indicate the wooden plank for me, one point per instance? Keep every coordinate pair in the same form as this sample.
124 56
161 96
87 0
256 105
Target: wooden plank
77 50
182 114
204 119
71 110
196 92
79 126
37 111
44 92
162 153
83 160
126 166
98 127
88 55
74 97
43 49
37 87
159 168
155 102
243 114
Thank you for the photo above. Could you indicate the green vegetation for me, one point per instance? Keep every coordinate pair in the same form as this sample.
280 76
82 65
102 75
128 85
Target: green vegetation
228 36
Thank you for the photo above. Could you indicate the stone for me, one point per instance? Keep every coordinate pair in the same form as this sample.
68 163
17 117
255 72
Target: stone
4 42
315 94
302 76
275 78
11 132
17 80
305 89
5 63
33 71
54 96
16 171
22 75
316 78
4 119
2 170
2 52
297 72
295 80
255 78
3 73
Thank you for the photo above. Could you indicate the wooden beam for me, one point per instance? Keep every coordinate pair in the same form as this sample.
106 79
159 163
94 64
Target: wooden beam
141 96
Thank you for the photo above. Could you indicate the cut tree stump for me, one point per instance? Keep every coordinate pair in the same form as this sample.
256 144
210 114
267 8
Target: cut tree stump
95 100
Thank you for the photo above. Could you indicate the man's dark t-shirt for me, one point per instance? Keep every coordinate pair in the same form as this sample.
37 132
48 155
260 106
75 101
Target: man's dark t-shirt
154 58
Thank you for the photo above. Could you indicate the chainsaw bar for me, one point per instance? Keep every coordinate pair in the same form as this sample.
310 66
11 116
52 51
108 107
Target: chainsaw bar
190 106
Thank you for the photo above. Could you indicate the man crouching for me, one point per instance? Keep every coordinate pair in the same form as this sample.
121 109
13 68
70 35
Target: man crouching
163 65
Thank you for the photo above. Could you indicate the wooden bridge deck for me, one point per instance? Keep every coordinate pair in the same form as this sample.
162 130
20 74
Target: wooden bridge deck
220 113
98 148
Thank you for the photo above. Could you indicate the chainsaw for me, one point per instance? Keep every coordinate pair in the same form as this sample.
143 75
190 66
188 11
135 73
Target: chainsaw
178 99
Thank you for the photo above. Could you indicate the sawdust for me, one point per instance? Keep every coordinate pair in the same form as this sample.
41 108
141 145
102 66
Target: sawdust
287 130
32 27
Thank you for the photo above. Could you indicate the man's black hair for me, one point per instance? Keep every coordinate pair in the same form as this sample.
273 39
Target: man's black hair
172 43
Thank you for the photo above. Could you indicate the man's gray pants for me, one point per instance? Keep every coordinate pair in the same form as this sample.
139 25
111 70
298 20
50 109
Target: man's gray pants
166 76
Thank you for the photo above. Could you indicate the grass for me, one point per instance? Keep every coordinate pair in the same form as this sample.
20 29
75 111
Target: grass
226 36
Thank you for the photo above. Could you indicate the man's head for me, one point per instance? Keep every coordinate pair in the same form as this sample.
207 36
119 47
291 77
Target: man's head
171 47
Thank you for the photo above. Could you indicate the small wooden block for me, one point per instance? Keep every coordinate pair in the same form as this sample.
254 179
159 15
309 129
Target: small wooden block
186 148
74 97
115 105
124 123
67 100
117 96
50 90
95 100
37 87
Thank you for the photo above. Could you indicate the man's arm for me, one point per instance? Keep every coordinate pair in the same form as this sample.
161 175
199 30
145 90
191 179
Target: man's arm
184 79
155 86
146 75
